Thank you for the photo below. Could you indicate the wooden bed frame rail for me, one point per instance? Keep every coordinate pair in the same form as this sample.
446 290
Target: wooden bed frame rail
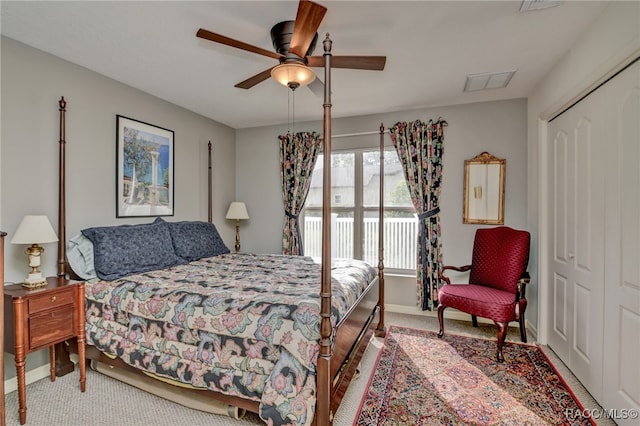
342 347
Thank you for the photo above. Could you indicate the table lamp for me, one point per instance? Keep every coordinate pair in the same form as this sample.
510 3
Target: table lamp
34 230
238 211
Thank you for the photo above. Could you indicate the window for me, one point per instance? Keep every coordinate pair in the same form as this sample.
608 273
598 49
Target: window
355 179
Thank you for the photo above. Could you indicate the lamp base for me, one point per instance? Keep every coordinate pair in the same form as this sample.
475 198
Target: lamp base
35 281
237 235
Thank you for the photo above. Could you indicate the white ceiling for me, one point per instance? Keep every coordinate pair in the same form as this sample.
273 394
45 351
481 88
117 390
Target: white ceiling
431 46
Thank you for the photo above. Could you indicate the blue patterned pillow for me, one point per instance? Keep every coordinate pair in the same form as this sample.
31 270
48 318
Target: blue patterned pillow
193 240
130 249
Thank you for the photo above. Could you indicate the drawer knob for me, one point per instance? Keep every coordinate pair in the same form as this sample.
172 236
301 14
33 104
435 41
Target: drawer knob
53 299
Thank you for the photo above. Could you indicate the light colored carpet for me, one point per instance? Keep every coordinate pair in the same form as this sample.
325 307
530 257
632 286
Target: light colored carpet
109 402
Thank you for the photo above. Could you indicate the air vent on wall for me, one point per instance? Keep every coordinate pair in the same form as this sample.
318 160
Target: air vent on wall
484 81
529 5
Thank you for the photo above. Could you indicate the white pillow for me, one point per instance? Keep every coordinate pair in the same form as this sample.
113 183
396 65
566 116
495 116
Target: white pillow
80 257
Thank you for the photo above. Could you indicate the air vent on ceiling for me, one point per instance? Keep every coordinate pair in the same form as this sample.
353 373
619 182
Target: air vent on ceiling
484 81
530 5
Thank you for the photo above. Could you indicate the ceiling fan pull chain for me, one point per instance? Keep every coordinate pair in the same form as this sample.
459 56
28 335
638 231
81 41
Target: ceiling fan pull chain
288 112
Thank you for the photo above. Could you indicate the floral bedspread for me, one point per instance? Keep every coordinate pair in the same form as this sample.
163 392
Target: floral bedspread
240 324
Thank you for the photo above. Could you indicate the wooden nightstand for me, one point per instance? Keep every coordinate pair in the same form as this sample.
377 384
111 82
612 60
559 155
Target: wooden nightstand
38 318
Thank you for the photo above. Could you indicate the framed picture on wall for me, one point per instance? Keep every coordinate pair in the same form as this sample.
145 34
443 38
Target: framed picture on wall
144 169
484 190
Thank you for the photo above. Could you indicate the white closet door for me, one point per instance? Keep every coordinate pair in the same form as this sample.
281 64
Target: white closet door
622 293
576 248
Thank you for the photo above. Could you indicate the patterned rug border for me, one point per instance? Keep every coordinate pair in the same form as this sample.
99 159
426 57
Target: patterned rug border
566 385
532 345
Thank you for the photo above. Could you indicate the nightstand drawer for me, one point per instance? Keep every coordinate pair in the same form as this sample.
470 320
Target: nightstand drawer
49 301
51 327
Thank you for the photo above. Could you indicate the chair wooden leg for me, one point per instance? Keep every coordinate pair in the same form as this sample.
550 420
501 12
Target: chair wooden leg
502 334
474 320
523 329
441 309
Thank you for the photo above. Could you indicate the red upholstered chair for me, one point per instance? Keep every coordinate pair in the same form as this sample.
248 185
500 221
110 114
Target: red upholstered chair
497 281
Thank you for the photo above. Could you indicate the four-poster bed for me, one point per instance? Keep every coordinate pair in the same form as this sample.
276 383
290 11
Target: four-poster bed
346 318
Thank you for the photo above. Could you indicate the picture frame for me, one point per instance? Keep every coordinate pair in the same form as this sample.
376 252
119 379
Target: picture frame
484 177
144 169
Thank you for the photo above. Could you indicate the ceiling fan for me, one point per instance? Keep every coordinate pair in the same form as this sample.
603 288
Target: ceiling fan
294 42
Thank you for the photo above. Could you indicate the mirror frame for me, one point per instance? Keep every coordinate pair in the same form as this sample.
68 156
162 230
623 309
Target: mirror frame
492 170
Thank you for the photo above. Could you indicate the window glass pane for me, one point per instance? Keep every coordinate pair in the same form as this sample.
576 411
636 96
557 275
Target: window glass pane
312 232
400 239
314 197
396 193
400 225
342 181
341 233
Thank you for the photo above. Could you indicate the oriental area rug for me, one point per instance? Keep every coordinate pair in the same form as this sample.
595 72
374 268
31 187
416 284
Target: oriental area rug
419 379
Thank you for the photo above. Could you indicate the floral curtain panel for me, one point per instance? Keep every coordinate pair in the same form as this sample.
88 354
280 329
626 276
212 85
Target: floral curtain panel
298 155
420 147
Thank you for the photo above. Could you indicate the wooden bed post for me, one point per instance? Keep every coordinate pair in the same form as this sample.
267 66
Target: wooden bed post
209 187
64 365
61 191
324 388
380 329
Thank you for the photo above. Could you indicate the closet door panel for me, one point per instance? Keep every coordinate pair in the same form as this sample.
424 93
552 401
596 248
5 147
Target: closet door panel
577 218
560 191
583 196
560 336
582 334
587 250
561 154
622 301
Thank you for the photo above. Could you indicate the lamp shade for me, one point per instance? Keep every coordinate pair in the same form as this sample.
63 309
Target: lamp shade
34 229
237 210
293 74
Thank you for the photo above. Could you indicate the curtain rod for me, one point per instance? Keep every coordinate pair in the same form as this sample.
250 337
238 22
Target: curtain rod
346 135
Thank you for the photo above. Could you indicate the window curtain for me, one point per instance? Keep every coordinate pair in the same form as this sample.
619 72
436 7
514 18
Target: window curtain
298 155
420 147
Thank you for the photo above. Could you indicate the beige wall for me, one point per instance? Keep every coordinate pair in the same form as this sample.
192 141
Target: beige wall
610 42
32 84
498 127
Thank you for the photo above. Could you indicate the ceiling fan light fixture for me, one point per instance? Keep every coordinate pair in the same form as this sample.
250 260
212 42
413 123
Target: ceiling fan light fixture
293 74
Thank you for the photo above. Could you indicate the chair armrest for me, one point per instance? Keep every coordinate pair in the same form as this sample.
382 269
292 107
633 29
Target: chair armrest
464 268
521 286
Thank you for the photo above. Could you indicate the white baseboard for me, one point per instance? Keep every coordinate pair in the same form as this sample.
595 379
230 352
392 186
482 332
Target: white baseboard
30 376
34 375
532 331
450 313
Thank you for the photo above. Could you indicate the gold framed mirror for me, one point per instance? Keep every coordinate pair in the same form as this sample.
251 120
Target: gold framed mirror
484 190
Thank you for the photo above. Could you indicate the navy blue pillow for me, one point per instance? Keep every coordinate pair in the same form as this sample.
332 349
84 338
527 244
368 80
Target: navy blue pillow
193 240
130 249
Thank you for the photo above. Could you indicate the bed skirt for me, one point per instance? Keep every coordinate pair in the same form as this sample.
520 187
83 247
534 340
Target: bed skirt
151 385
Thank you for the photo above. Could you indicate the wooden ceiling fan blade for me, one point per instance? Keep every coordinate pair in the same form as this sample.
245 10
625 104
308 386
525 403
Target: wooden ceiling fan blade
374 63
308 20
252 81
218 38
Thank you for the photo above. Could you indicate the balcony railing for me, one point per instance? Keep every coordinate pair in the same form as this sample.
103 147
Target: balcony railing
400 240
